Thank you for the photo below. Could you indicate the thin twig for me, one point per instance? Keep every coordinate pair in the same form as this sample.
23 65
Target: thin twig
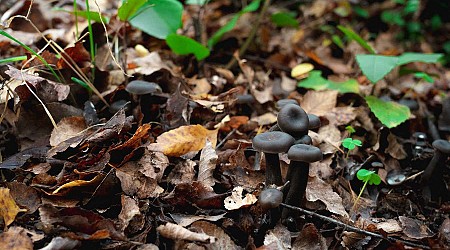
226 138
250 38
352 228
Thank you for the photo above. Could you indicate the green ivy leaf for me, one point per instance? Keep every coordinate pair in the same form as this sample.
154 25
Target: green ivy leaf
317 82
129 8
391 114
182 45
158 18
284 19
368 176
375 67
215 38
353 36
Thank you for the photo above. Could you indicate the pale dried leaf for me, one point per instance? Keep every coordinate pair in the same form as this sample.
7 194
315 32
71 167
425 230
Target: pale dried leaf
67 128
183 172
223 241
341 115
310 239
329 138
130 209
236 200
206 165
288 84
320 190
200 86
414 229
279 236
177 232
265 119
15 238
389 226
186 220
319 102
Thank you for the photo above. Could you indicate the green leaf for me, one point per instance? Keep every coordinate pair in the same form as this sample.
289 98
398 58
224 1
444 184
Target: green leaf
391 114
361 12
353 36
392 17
215 38
129 8
284 19
317 82
375 67
350 129
93 15
424 76
158 18
350 144
418 57
182 45
196 2
368 176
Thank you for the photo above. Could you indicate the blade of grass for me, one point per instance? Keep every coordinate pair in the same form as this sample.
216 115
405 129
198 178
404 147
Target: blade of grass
13 59
91 41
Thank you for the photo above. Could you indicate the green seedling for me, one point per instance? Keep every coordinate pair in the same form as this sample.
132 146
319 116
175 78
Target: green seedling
82 84
350 130
366 176
350 144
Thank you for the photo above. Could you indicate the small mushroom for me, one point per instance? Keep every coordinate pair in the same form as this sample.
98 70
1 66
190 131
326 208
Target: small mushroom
395 177
314 121
139 87
283 102
301 156
270 198
435 168
293 120
306 139
273 143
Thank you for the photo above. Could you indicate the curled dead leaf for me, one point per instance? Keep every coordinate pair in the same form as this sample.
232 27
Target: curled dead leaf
177 232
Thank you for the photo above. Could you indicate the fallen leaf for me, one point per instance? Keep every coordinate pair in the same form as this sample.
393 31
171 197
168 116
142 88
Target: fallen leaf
222 239
414 229
67 128
183 140
395 149
183 172
207 165
79 183
186 220
279 237
177 232
15 238
8 207
130 213
265 119
236 200
318 190
310 239
319 102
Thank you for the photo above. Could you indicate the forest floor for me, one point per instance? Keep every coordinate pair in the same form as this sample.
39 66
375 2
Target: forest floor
151 149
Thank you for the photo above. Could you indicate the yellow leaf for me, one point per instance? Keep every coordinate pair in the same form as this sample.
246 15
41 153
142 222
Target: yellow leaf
8 207
183 140
300 70
79 183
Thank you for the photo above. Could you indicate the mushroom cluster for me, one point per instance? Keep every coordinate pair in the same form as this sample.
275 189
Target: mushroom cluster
289 135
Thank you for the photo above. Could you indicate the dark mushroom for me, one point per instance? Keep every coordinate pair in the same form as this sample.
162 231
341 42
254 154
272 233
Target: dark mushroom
314 121
306 139
301 156
411 104
273 143
270 198
436 166
293 120
139 87
283 102
120 104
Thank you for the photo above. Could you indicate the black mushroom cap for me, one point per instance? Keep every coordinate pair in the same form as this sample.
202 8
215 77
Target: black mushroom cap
314 121
293 120
139 87
306 139
270 198
273 142
442 145
304 153
283 102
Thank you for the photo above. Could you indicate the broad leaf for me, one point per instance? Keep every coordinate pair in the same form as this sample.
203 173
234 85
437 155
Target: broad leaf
317 82
418 57
158 18
129 8
353 36
284 19
391 114
182 45
375 67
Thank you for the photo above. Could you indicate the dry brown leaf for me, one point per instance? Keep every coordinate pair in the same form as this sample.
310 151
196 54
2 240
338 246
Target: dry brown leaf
279 237
15 238
414 229
236 200
186 220
183 140
265 119
341 115
310 239
8 207
130 211
234 122
79 183
320 190
329 138
200 86
67 128
206 165
183 172
395 149
389 226
223 241
177 232
319 102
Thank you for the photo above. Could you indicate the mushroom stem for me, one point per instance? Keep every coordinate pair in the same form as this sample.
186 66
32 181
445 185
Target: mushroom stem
273 171
298 177
436 166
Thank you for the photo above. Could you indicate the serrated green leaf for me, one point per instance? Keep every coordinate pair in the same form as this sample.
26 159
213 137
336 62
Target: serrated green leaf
284 19
215 38
349 33
375 67
158 18
418 57
317 82
129 8
182 45
391 114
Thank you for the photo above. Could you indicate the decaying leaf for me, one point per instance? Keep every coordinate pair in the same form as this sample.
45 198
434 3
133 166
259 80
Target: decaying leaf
222 239
15 238
8 207
320 190
183 140
67 128
207 164
236 200
130 213
310 239
279 237
319 102
177 232
186 220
